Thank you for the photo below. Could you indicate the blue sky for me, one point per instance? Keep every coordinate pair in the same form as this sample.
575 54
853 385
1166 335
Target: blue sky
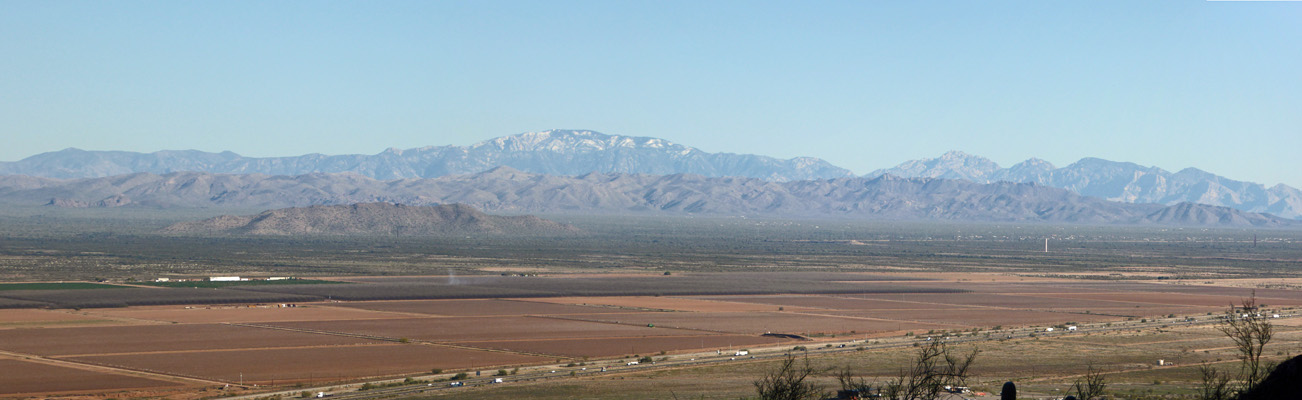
863 84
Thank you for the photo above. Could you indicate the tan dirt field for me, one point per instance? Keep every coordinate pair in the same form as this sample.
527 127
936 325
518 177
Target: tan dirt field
757 323
485 328
1036 301
979 318
477 307
1181 299
29 378
814 303
614 347
215 314
28 318
313 364
696 304
144 338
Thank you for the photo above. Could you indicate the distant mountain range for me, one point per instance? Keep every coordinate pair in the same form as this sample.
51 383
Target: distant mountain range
372 219
1117 181
555 152
575 153
506 190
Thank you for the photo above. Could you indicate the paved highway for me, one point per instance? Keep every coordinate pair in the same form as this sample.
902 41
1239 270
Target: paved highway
815 348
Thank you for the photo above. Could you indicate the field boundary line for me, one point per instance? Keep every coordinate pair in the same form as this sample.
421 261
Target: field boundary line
387 339
315 331
630 324
402 313
141 353
1068 295
880 319
464 347
89 366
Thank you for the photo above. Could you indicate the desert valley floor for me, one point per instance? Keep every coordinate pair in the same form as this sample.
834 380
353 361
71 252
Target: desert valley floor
202 350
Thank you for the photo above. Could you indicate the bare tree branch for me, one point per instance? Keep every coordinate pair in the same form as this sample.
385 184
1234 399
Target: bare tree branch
788 382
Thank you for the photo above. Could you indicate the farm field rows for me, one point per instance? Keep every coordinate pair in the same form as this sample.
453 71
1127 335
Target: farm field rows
348 340
32 378
157 338
618 347
306 364
478 307
235 313
442 329
723 304
35 318
758 323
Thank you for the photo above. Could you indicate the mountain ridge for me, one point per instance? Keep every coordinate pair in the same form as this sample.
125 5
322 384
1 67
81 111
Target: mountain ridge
1112 180
555 152
506 190
579 152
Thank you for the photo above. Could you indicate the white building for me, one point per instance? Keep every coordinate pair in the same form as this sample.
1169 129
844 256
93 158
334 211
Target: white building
223 279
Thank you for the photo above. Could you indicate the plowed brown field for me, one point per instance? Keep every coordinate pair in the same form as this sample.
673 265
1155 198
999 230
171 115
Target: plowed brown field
477 308
756 323
980 318
28 378
698 304
27 318
213 314
486 328
306 364
130 339
1181 299
610 347
821 302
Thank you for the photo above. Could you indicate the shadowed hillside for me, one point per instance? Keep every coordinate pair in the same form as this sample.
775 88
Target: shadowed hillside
372 219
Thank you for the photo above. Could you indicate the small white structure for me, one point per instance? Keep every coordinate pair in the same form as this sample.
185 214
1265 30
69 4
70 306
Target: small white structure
497 380
1048 329
632 363
1274 315
223 279
742 353
278 278
1161 362
1071 328
163 280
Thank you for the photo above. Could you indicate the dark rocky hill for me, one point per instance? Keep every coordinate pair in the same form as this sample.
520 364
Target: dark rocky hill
372 219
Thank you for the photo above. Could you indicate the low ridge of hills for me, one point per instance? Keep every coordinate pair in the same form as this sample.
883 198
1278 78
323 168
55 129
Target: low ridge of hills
371 219
506 190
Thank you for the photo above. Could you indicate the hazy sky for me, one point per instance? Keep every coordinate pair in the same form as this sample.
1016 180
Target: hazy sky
862 84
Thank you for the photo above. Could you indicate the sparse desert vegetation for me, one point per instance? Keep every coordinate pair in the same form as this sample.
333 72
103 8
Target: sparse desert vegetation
860 293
